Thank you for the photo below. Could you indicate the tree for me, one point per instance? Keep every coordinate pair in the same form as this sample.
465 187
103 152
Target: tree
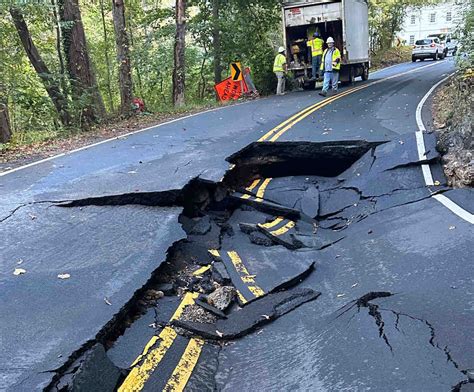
108 76
123 56
216 41
85 92
5 129
386 20
51 86
179 55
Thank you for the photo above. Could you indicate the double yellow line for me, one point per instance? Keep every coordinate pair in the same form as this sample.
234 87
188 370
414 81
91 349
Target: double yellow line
260 191
146 363
282 230
245 276
274 134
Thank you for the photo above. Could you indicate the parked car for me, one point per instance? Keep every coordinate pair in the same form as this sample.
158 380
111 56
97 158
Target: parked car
427 48
449 42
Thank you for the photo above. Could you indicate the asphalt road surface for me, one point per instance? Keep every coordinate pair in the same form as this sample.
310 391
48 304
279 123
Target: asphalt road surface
330 219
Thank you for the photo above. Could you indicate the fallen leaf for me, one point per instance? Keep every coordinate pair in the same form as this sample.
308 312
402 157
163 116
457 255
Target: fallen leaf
437 183
325 133
266 316
64 276
33 217
20 261
19 271
355 285
401 142
220 334
107 301
341 295
452 227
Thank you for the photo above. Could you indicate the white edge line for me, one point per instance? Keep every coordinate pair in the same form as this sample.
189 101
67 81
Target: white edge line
123 136
420 143
462 213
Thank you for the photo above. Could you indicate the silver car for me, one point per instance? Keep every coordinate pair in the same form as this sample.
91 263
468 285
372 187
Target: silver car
427 48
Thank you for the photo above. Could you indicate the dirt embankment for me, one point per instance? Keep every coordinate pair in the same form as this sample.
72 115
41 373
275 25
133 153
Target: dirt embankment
392 56
453 118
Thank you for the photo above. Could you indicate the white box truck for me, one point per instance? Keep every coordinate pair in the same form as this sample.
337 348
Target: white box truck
346 21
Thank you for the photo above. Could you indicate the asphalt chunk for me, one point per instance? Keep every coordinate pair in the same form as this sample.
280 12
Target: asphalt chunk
252 316
94 372
210 308
266 206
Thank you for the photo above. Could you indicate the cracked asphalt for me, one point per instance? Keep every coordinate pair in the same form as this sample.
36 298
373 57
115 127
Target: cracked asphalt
349 274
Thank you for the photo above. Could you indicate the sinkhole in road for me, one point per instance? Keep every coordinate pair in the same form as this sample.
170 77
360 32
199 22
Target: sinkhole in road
229 296
280 159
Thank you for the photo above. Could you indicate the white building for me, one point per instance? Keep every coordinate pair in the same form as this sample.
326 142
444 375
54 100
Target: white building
441 18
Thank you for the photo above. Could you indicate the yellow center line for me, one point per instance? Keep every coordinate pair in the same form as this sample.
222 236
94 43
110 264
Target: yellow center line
183 371
248 279
283 229
274 223
214 252
250 189
309 112
261 190
202 270
271 132
151 357
279 130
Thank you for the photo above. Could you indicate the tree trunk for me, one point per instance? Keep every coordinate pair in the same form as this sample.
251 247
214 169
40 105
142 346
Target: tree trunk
83 81
123 56
216 42
62 68
107 57
5 129
179 55
52 88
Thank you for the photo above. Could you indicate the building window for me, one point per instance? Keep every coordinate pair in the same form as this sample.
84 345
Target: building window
432 18
412 40
449 16
413 19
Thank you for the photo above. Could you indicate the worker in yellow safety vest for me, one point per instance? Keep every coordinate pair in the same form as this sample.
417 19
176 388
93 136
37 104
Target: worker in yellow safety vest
280 69
330 65
316 46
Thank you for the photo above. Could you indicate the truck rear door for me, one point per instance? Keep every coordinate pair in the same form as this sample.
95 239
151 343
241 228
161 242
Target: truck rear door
356 31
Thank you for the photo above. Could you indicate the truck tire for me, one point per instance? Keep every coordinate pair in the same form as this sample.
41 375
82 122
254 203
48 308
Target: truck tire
351 80
365 73
413 59
436 57
309 86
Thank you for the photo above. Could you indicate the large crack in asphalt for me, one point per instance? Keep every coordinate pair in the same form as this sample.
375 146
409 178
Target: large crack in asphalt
207 208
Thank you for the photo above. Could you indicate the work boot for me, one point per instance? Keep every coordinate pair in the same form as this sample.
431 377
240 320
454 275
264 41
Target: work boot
323 94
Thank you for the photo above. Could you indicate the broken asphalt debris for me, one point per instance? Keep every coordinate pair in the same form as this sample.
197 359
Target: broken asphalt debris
250 241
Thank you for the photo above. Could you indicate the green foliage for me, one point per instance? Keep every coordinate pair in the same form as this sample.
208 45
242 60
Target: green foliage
386 20
465 59
249 32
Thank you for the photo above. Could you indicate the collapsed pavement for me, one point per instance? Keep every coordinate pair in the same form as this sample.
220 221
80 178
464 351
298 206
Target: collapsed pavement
269 226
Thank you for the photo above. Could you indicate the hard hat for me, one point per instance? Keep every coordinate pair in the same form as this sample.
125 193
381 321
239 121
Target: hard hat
330 40
316 34
281 49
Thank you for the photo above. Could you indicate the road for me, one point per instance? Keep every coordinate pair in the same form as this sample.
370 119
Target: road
330 217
